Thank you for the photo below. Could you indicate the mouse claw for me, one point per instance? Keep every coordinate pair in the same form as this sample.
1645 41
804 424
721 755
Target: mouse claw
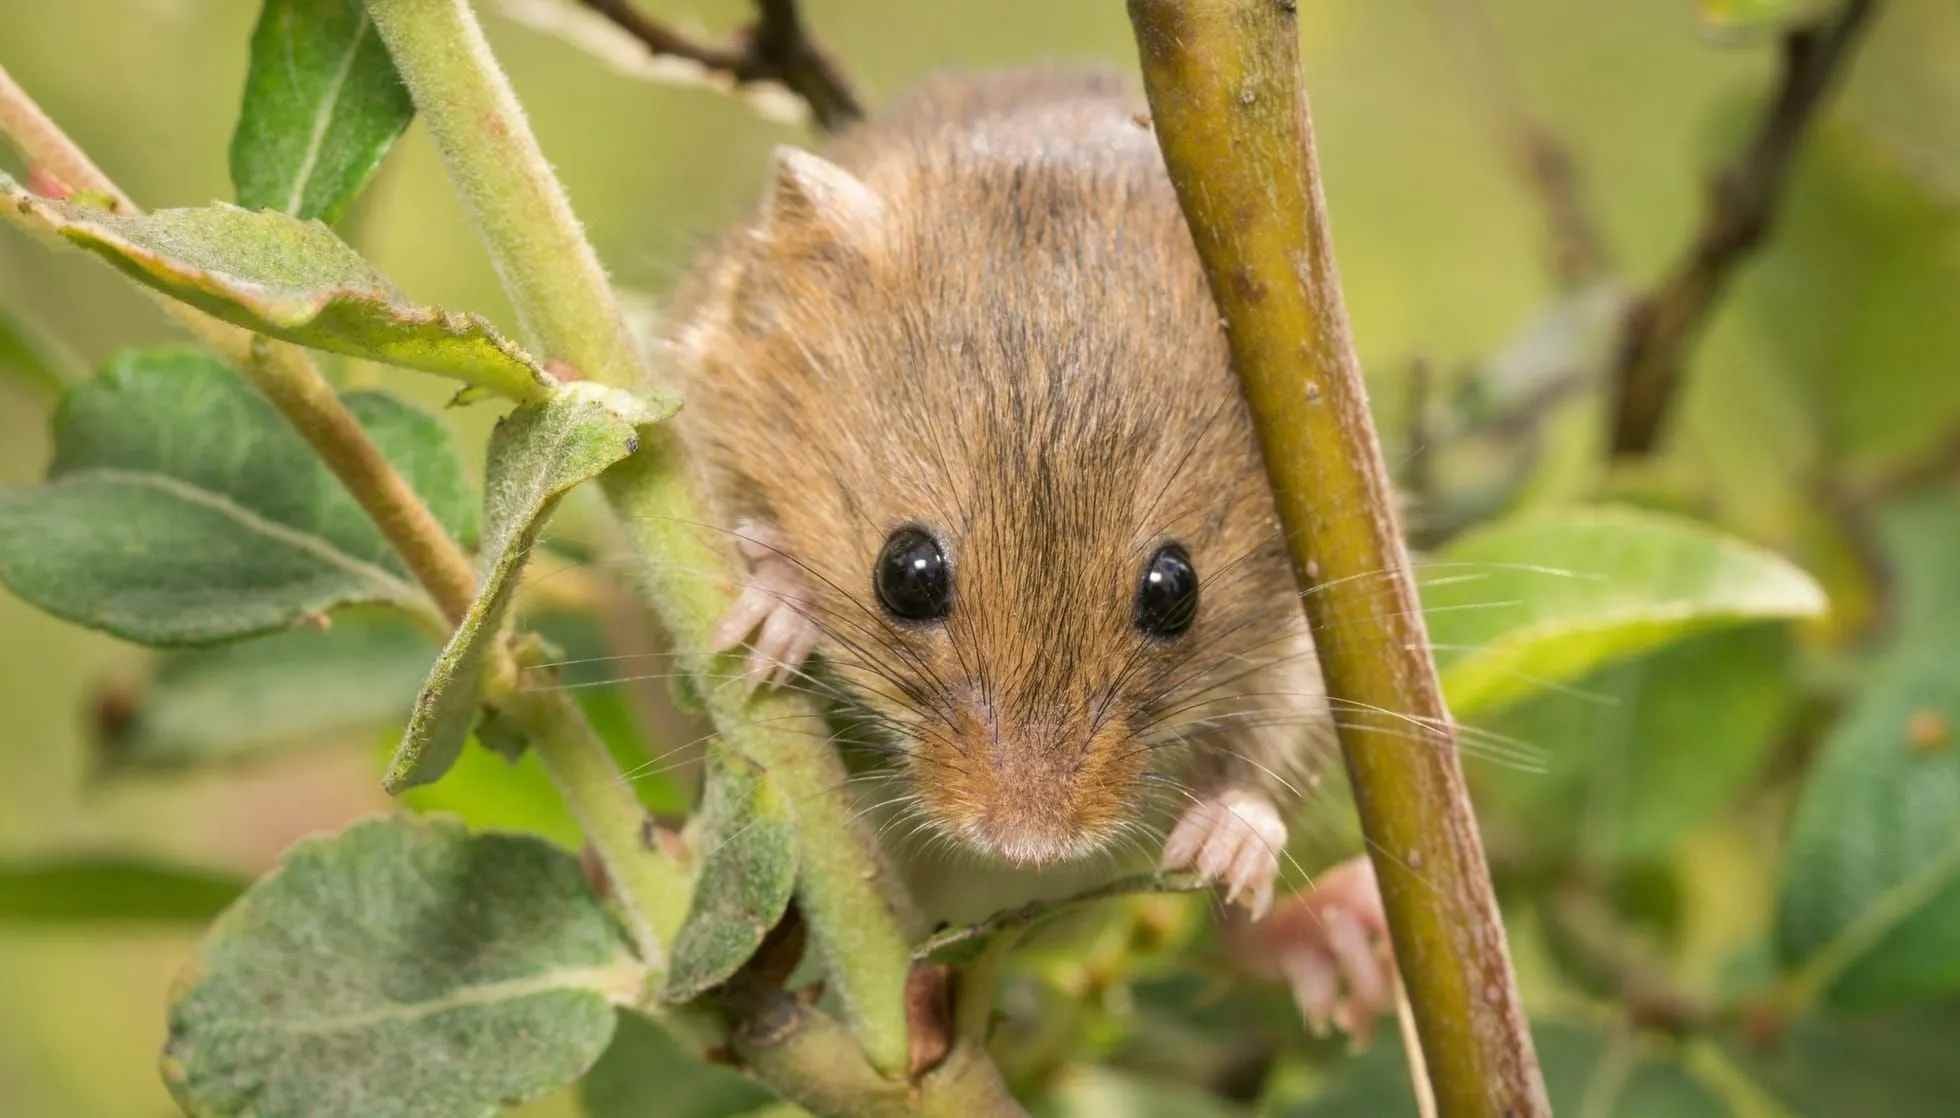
773 605
1330 944
1233 838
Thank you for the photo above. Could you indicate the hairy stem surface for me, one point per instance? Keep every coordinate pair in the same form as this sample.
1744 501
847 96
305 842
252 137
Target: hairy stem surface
569 310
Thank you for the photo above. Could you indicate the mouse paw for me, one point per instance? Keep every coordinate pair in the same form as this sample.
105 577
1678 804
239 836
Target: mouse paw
1330 944
775 600
1233 837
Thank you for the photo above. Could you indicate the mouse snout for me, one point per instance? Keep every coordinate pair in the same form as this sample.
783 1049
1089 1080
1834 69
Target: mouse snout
1030 791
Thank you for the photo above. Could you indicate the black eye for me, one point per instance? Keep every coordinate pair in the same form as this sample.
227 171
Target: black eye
912 578
1167 598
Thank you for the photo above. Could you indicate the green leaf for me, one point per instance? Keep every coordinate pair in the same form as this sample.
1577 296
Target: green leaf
260 697
645 1073
1641 750
1899 1065
1870 905
1852 296
1586 1072
746 877
291 279
111 890
537 454
1545 598
323 105
401 969
182 509
26 356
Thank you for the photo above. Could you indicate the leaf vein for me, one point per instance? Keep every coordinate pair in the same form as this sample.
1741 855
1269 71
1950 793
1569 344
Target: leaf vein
323 120
619 983
393 588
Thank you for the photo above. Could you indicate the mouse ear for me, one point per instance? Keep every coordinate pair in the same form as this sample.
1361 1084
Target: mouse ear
811 198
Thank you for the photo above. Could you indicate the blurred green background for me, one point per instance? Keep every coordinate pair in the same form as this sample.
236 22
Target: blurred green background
1837 353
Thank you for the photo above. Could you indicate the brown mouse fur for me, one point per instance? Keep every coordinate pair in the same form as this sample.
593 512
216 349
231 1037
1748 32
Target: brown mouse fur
991 323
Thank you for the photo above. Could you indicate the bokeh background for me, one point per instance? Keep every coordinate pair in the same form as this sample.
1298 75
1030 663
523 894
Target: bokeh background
1837 352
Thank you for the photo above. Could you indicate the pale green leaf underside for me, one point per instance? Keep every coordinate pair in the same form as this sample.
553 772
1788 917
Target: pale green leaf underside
290 279
258 698
745 880
323 105
537 454
1546 598
181 508
404 968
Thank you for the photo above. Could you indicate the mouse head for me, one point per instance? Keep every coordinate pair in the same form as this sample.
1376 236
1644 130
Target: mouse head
1023 489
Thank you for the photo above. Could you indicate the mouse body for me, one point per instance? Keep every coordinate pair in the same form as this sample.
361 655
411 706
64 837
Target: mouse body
961 398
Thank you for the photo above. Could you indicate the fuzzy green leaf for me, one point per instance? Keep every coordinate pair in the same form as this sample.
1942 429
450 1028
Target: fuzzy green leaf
182 509
746 877
112 890
323 105
1546 598
261 697
288 278
537 454
404 968
1870 905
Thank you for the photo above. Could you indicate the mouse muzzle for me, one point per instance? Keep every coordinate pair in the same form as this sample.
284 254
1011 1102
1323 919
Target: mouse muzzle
1029 791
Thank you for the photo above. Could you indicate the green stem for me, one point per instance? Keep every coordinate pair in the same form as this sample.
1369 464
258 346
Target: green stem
814 1062
283 373
855 908
1226 101
569 311
564 304
652 891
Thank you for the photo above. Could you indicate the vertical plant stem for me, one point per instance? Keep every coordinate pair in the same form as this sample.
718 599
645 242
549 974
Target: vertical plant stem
1226 101
857 913
570 312
652 891
283 372
553 276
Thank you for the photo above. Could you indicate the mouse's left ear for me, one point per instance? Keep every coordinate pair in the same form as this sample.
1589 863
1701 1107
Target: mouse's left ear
812 200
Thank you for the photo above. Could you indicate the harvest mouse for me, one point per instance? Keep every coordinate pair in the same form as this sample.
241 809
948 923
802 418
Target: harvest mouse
962 399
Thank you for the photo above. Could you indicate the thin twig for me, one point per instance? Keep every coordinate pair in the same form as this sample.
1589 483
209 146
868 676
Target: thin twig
1742 201
775 48
949 941
1405 1020
283 372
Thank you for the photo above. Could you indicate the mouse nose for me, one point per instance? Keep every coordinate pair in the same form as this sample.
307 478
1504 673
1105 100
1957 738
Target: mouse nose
1031 793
